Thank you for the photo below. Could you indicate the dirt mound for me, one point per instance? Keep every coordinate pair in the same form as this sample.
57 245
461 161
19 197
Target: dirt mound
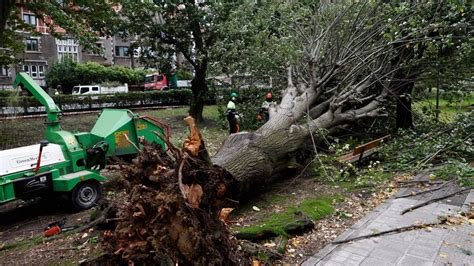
172 211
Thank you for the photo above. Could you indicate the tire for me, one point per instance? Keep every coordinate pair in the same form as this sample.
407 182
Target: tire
85 195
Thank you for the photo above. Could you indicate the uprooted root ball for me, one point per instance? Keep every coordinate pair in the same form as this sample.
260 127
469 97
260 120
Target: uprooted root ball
172 212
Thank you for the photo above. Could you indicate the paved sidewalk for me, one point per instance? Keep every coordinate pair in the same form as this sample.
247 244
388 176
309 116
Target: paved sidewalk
440 246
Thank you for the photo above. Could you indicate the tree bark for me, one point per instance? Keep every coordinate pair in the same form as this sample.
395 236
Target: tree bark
256 159
5 8
404 110
199 89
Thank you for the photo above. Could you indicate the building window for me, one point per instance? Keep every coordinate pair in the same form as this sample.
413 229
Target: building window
29 19
67 49
32 44
35 70
41 71
4 71
121 50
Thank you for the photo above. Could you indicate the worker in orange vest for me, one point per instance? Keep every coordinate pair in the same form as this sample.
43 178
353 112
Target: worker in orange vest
264 110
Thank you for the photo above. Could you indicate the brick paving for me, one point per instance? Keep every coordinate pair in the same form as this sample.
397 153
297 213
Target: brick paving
453 245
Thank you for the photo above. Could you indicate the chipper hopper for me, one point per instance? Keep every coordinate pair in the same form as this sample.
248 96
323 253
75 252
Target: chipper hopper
70 163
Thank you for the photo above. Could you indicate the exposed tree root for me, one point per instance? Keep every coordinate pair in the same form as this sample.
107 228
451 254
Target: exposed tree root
171 214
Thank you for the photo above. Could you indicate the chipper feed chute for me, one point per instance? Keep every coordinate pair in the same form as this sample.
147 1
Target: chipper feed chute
122 130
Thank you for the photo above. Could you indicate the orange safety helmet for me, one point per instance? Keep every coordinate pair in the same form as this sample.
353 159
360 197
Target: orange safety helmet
269 96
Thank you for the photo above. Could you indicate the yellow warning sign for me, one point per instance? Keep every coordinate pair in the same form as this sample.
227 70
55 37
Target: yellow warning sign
141 126
120 139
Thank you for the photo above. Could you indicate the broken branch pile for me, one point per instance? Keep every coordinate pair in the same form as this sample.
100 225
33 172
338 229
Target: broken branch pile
172 211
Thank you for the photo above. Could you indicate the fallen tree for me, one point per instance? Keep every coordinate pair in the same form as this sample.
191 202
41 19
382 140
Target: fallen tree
174 198
355 63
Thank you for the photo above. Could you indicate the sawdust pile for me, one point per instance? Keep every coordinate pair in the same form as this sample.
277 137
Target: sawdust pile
172 211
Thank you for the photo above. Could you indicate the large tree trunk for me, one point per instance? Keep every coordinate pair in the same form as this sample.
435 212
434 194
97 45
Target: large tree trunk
199 89
256 159
404 111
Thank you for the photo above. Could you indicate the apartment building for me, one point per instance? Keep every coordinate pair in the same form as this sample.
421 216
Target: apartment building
42 51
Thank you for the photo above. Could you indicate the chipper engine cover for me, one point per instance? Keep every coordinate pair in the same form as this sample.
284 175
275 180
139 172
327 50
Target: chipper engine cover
25 158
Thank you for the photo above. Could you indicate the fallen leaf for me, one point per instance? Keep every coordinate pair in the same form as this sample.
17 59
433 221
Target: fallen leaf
255 208
269 245
224 214
193 195
255 262
443 255
84 235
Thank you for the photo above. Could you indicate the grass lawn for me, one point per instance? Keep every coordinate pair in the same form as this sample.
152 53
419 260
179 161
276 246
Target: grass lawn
447 109
22 132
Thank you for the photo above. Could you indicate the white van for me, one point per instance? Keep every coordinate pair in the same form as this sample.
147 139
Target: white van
98 89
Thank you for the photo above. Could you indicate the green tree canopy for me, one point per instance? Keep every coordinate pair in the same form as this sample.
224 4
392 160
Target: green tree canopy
68 74
86 20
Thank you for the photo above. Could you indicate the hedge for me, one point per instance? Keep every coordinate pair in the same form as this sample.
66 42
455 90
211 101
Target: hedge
29 105
68 74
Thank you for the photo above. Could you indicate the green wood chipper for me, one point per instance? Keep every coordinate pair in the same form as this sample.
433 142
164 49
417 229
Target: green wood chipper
69 163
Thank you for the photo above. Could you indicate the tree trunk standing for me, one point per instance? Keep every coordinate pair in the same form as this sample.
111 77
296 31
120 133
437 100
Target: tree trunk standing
5 8
199 89
404 110
198 84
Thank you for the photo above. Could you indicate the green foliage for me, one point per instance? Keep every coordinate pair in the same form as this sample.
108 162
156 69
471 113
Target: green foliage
68 74
7 93
447 148
457 168
63 73
372 176
183 74
445 52
444 148
347 175
248 105
183 25
86 20
87 102
153 98
259 39
450 103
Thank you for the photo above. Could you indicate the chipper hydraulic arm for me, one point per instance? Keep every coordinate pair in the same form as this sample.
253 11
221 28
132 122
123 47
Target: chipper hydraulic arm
69 164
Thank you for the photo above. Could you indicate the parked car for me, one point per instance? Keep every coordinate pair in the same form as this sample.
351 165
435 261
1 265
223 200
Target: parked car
98 89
